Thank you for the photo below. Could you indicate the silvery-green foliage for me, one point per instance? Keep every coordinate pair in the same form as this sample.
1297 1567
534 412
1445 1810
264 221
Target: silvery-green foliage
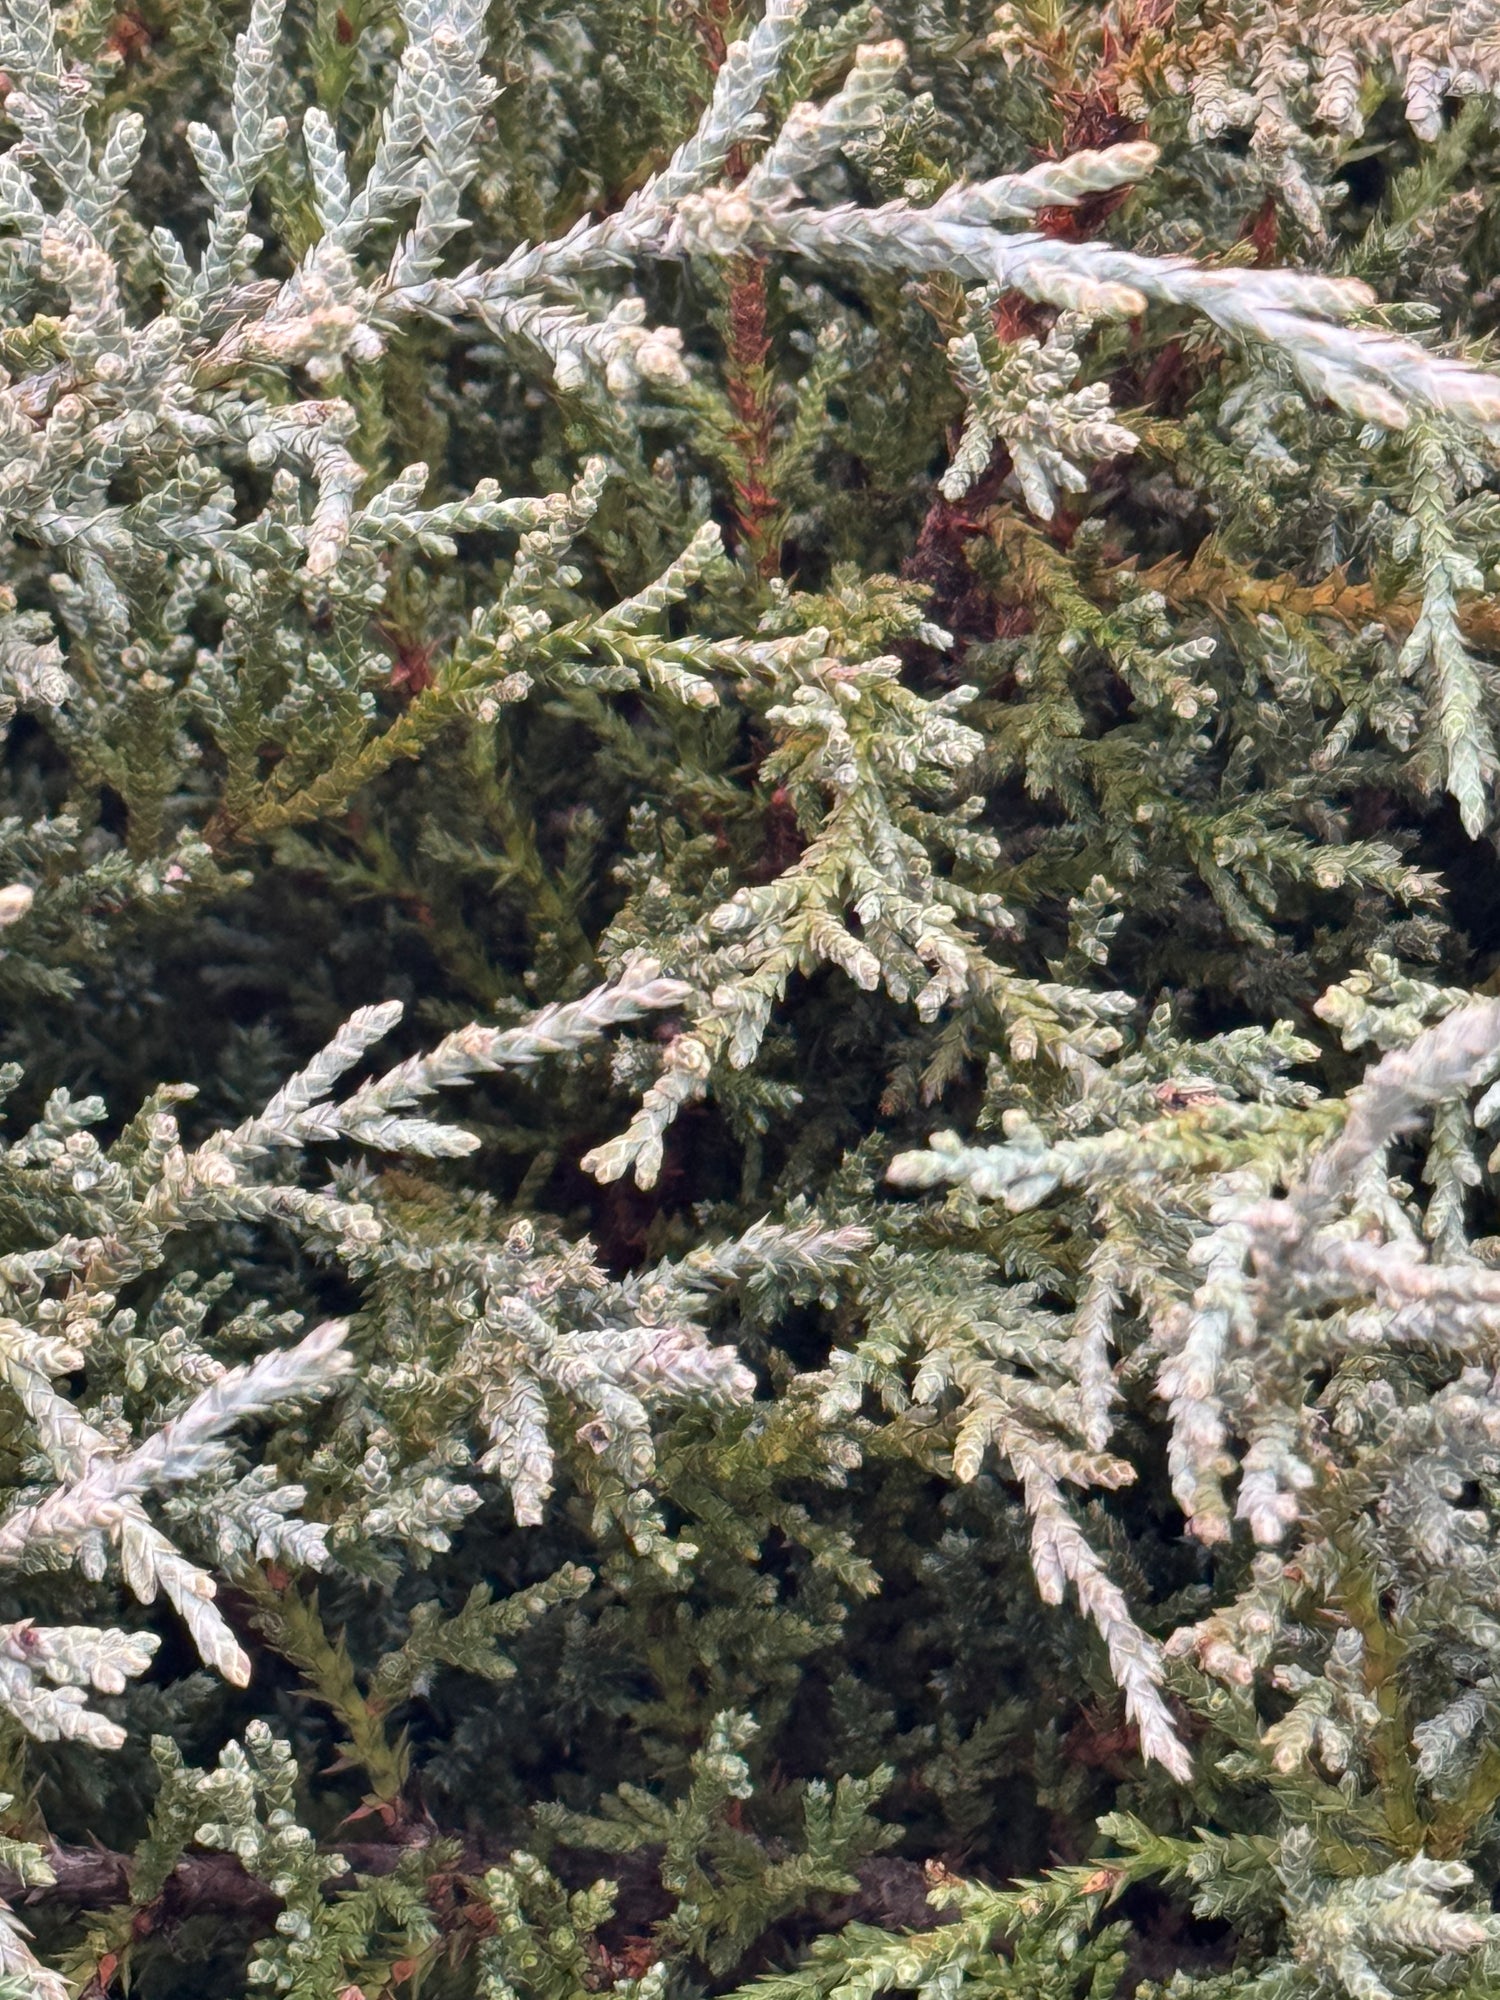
1024 399
1319 1334
177 397
872 771
526 1328
119 1207
1277 71
1264 1295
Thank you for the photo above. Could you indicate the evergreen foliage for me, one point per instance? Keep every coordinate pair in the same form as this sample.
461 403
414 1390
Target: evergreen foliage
750 837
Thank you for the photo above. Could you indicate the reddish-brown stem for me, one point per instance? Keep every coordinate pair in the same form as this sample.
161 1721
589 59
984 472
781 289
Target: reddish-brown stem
748 382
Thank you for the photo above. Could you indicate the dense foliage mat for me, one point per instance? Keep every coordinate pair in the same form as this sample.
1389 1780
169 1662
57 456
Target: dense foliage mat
748 896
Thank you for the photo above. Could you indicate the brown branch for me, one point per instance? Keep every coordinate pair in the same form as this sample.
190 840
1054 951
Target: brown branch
201 1884
892 1892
